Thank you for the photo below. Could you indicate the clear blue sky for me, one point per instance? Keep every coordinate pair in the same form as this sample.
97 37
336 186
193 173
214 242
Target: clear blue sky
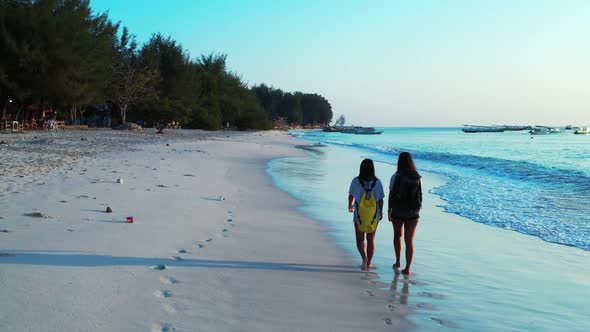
395 63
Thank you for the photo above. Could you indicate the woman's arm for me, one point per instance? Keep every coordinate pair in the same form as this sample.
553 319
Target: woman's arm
380 204
350 200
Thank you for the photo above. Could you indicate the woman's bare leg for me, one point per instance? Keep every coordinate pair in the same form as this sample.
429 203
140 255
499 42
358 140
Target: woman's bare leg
370 248
410 230
360 245
397 242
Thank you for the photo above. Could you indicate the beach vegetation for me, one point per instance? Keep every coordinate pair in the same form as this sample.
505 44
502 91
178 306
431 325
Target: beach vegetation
60 55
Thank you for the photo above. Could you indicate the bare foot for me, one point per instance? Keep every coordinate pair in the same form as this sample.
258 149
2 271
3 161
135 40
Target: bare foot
364 266
406 271
396 267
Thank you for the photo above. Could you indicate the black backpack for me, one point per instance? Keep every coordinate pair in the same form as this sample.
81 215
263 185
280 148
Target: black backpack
406 197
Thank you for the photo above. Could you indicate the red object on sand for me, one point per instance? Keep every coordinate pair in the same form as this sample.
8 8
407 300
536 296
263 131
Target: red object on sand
129 220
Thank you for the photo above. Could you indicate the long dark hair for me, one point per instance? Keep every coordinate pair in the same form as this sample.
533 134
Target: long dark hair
367 170
405 163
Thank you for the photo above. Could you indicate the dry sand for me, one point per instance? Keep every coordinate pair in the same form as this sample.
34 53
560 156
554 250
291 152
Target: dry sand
189 262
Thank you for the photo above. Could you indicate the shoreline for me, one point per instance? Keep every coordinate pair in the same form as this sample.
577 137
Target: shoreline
502 273
228 264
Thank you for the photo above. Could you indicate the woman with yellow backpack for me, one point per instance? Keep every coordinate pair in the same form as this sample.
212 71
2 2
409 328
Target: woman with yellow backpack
365 200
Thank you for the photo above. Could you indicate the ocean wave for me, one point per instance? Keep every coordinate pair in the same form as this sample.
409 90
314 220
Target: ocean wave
550 203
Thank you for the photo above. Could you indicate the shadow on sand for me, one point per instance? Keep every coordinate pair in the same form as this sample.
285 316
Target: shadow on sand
25 257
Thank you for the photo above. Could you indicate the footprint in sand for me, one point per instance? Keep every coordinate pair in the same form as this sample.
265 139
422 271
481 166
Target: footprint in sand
387 321
225 230
390 307
209 240
159 267
168 280
169 308
162 327
368 292
182 251
163 294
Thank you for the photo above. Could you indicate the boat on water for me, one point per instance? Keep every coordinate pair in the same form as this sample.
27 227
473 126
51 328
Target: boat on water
542 130
332 129
569 127
582 131
360 130
367 131
348 130
516 128
482 129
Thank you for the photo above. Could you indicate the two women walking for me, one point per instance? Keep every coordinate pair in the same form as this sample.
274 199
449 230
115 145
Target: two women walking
404 204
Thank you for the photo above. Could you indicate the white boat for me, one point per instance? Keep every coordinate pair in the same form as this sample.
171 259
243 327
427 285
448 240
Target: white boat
542 130
367 131
482 129
582 130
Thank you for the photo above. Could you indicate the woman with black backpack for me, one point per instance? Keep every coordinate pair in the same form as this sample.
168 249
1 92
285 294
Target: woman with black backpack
405 202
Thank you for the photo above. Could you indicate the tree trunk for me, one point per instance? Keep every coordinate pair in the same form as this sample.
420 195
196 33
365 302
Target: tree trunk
124 113
4 113
82 110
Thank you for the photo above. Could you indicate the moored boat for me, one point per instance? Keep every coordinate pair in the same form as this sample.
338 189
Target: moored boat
542 130
367 131
332 129
582 131
482 129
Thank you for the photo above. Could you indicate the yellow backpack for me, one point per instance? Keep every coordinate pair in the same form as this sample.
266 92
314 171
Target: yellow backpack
367 210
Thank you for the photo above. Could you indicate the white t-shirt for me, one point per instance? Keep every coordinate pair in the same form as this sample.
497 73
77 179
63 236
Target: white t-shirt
356 190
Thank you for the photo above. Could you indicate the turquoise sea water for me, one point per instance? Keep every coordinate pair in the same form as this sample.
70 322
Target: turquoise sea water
513 252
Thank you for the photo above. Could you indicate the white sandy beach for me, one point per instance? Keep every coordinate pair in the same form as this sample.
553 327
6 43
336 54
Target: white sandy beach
250 262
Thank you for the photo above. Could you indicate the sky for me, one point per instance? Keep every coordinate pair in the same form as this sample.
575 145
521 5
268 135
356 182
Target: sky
394 63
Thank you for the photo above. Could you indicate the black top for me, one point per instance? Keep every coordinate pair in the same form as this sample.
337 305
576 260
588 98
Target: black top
405 195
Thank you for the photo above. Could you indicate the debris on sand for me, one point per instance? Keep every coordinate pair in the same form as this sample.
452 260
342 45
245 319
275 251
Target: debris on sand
37 215
109 210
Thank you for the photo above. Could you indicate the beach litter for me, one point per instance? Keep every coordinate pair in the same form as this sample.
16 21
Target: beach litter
37 215
130 220
109 210
120 180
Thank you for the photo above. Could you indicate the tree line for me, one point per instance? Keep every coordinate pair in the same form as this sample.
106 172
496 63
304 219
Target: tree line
59 54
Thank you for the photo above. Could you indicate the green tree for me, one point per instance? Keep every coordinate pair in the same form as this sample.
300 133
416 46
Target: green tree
132 79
